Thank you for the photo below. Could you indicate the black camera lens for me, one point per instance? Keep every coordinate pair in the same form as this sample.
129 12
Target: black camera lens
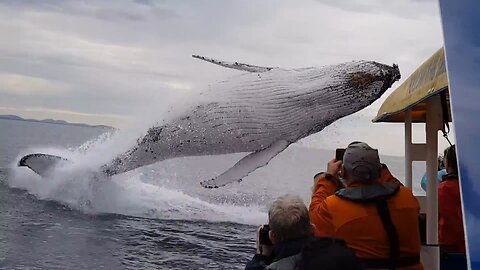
263 236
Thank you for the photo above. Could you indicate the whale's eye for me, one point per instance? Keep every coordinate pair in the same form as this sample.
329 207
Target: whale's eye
361 79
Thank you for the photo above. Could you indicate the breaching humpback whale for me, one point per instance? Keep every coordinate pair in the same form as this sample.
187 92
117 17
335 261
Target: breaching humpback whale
261 111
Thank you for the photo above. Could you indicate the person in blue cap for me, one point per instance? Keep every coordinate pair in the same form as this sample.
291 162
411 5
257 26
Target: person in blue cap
441 171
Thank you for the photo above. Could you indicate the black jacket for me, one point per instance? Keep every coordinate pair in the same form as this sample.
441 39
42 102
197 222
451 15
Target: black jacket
285 256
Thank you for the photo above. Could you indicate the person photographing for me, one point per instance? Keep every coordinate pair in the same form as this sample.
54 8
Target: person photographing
288 242
280 242
358 200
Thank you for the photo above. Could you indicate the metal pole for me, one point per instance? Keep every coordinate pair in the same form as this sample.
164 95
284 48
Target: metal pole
408 149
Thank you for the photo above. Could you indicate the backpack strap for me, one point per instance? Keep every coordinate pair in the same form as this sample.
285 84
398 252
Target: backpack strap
394 260
379 195
392 234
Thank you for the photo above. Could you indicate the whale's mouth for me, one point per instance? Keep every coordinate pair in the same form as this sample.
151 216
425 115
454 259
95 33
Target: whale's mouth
391 75
395 73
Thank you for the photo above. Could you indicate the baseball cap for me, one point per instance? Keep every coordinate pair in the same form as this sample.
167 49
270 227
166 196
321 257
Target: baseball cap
361 161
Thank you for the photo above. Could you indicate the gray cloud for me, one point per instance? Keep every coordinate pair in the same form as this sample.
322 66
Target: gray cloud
130 58
406 9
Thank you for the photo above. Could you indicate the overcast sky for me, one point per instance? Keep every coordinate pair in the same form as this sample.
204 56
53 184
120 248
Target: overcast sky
116 62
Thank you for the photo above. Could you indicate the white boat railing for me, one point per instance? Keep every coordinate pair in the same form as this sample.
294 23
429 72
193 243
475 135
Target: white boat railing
426 152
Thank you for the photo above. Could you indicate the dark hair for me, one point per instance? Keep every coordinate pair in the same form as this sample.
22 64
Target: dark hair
328 254
450 156
440 163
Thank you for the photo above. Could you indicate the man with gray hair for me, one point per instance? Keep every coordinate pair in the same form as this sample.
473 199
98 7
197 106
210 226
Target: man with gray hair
282 246
288 230
288 219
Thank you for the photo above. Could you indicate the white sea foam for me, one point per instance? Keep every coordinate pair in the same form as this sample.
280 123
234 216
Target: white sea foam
170 189
154 191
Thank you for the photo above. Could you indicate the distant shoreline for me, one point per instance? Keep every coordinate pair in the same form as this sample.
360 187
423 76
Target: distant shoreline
51 121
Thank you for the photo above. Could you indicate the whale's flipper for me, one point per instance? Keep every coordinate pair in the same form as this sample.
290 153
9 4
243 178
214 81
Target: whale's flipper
235 65
41 163
247 165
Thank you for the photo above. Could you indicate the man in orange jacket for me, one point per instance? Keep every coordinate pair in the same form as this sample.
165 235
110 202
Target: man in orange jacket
373 213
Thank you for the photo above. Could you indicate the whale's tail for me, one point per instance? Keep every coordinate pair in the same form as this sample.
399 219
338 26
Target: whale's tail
41 164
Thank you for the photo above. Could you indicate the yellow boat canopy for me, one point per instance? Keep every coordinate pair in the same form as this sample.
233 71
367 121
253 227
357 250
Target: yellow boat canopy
428 80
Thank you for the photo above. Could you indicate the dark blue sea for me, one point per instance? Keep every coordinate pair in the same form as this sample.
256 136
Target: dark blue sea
156 217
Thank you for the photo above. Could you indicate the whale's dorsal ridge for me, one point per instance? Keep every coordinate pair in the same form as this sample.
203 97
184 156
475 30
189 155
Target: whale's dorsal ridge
235 65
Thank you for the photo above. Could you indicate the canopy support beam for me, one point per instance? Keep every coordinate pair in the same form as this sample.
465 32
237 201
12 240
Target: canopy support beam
408 149
433 125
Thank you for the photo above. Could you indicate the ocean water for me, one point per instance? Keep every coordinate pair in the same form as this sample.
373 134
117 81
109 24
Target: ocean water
156 217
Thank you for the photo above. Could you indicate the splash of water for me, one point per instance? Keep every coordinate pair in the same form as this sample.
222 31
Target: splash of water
138 193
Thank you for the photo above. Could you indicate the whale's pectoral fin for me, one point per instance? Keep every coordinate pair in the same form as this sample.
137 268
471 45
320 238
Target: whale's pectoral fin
247 165
42 163
235 65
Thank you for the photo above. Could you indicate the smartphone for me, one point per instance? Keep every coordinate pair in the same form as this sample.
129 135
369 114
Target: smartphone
339 153
263 236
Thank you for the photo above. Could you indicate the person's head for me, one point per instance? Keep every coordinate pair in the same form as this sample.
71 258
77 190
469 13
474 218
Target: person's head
288 219
361 163
450 159
328 254
440 164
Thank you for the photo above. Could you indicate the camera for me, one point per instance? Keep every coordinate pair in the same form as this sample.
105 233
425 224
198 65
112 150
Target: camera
263 237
